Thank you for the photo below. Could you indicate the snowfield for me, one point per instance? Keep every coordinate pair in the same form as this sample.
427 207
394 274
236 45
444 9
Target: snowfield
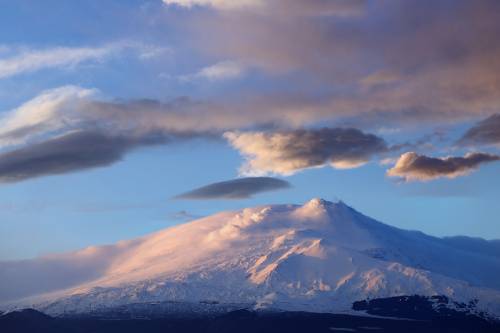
318 257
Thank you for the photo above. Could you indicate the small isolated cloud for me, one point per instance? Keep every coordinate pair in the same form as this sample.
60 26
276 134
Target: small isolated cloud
184 215
380 78
69 152
414 167
290 151
224 70
486 131
219 4
242 188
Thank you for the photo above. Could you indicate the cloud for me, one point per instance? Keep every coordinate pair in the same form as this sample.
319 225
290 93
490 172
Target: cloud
273 7
185 216
52 110
32 60
67 153
72 128
51 123
61 131
223 70
71 108
59 271
414 167
219 4
486 131
59 122
287 152
378 61
242 188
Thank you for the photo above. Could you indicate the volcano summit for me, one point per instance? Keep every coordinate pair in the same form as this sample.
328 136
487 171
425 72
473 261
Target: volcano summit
317 257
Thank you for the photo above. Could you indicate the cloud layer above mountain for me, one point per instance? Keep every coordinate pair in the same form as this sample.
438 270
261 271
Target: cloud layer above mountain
241 188
349 67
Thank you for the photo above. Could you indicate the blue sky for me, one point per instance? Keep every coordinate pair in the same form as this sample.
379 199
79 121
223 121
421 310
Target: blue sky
159 84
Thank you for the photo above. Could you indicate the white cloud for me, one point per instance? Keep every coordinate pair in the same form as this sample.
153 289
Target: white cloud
219 4
224 70
278 7
288 152
50 111
151 51
31 60
34 60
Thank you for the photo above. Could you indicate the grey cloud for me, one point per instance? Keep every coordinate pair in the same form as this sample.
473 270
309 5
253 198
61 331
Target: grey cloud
69 129
407 59
236 189
67 153
65 130
486 131
286 152
185 216
414 167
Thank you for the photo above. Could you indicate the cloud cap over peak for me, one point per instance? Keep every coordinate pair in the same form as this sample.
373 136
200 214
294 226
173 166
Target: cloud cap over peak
242 188
414 167
287 152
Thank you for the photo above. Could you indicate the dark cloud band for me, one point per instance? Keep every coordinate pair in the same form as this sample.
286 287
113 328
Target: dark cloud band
236 189
484 132
70 152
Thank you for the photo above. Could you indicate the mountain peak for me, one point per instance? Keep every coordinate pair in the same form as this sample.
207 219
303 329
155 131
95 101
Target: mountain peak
295 257
318 202
322 203
320 208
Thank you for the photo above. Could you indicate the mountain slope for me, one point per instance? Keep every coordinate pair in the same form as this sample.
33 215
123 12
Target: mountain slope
320 256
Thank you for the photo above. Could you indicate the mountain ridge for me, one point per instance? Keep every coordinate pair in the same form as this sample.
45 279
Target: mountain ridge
320 256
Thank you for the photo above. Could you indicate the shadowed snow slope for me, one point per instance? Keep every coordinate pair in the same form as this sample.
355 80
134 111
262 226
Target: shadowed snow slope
320 256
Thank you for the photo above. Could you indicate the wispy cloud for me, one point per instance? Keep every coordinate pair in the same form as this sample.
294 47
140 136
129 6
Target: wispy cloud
273 7
224 70
26 60
241 188
52 110
414 167
219 4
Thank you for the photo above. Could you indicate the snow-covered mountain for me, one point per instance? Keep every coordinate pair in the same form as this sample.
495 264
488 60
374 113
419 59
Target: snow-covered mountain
320 256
